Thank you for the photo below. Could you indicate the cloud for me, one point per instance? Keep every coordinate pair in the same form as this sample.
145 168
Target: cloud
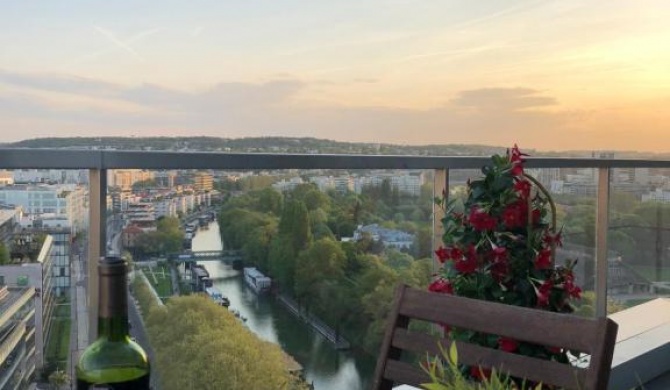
506 99
59 83
499 116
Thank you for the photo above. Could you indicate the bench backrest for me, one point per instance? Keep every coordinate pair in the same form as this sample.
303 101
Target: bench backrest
595 337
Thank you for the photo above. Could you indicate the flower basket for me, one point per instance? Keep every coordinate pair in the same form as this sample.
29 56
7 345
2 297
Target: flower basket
499 244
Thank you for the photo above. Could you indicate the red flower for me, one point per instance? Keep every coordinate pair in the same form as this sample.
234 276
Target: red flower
442 254
536 215
480 373
481 220
515 156
499 271
499 254
515 214
508 345
555 239
570 288
441 286
523 188
543 259
467 265
448 253
543 293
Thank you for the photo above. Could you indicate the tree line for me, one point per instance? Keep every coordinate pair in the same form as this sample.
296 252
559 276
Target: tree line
295 238
206 347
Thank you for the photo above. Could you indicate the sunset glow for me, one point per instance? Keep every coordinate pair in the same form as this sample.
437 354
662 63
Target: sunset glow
553 75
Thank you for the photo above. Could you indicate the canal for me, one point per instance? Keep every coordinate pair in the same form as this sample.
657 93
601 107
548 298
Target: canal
326 367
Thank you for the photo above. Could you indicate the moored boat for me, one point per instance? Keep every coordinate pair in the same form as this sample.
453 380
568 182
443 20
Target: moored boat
217 296
256 280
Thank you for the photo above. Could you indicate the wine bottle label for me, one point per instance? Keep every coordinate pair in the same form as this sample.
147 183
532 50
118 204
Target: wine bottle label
141 383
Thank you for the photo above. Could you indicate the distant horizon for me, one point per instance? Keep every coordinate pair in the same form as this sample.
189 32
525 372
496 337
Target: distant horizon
550 76
480 145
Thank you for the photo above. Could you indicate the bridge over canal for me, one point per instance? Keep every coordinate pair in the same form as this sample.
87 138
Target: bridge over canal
227 256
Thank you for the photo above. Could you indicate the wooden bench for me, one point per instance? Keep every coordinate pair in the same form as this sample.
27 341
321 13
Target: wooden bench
595 337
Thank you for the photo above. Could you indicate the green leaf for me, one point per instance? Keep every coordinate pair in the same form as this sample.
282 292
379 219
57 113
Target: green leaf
453 353
434 386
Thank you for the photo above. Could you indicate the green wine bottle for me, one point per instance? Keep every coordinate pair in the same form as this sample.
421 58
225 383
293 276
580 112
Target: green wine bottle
113 361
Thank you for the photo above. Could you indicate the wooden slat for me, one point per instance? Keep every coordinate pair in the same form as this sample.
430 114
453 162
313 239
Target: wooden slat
601 360
388 352
531 325
548 372
595 337
405 373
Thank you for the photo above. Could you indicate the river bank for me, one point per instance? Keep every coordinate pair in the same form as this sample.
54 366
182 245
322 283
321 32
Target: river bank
324 365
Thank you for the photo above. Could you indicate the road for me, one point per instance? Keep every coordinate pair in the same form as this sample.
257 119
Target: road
79 310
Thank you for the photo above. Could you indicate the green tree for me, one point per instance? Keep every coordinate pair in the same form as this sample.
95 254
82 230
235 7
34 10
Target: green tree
323 262
281 259
295 225
203 335
4 254
269 201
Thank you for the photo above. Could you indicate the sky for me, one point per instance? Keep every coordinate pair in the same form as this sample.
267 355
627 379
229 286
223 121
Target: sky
548 75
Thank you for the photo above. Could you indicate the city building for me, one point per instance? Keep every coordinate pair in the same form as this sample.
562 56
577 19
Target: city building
288 185
63 200
61 233
34 274
50 176
203 182
341 184
125 178
9 222
141 214
395 239
658 195
406 183
165 178
17 336
6 178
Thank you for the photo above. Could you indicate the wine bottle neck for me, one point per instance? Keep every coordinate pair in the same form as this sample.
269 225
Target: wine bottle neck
114 329
113 299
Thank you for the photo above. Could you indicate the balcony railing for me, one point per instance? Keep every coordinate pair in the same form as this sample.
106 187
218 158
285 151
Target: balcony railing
99 161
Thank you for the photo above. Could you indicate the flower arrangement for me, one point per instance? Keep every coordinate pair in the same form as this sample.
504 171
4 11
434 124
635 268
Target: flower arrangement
499 245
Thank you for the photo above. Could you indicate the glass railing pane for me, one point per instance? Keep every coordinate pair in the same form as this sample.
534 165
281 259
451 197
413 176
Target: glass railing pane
639 236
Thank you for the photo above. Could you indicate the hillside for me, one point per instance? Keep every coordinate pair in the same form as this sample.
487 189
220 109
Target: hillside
289 145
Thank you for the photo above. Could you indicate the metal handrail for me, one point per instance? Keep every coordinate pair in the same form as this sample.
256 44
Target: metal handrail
16 158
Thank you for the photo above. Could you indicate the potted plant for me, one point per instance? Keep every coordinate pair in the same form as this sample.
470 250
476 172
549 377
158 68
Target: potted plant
499 245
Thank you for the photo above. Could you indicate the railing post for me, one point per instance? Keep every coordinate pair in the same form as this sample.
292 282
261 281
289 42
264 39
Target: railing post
602 226
440 188
97 241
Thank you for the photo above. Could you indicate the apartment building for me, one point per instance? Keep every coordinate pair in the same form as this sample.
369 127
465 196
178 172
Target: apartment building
203 182
17 336
50 176
35 276
391 238
64 200
125 178
407 183
6 178
8 222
